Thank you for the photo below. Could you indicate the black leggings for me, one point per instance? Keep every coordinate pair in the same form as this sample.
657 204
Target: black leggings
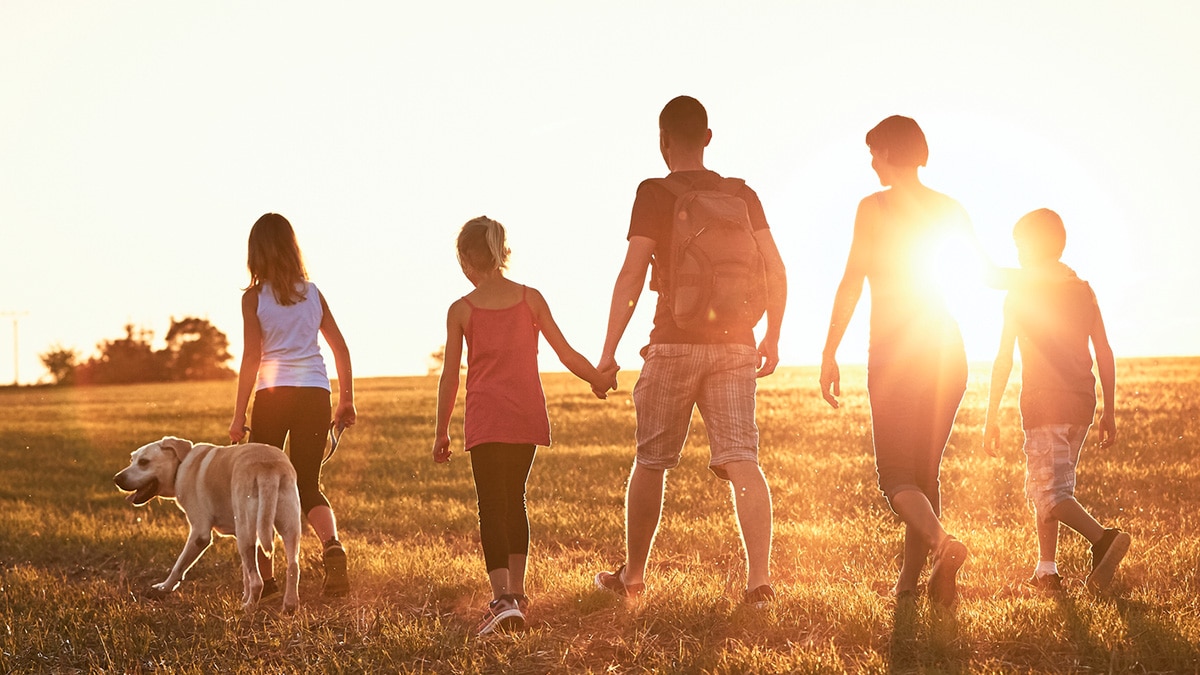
300 414
500 471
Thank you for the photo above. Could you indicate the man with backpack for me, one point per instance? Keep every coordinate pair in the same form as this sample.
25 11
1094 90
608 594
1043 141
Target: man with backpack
716 269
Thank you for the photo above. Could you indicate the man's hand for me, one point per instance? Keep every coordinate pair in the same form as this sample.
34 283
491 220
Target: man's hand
607 381
831 381
608 369
768 356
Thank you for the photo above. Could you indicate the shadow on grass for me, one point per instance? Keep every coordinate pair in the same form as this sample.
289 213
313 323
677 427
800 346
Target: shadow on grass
918 646
1158 645
1149 643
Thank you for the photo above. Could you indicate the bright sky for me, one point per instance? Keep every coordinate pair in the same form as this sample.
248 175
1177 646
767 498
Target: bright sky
140 141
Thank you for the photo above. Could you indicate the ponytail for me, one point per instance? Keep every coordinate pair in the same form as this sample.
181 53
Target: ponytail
482 246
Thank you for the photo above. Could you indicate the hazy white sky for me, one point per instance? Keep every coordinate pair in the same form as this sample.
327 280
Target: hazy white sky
140 141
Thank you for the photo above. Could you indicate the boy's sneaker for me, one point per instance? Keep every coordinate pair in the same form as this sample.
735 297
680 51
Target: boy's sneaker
1106 556
502 614
337 581
270 590
759 597
611 581
943 582
1047 584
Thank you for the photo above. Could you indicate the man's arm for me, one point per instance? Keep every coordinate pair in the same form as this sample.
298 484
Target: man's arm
626 292
768 348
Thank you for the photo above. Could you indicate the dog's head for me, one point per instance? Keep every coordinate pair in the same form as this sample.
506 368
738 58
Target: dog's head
151 470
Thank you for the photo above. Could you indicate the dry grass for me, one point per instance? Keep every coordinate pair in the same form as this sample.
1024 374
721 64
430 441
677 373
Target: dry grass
75 558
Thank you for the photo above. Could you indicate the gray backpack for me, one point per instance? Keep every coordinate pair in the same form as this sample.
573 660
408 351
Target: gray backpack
717 278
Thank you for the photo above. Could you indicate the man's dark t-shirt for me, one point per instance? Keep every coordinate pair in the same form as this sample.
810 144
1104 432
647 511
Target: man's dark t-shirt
653 216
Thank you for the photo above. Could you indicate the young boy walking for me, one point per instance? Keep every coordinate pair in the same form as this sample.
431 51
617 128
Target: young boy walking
1051 314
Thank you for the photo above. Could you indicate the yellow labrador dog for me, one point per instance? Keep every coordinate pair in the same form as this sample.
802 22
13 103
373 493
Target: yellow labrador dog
248 491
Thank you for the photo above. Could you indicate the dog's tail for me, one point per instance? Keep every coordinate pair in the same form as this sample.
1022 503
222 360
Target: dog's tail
268 499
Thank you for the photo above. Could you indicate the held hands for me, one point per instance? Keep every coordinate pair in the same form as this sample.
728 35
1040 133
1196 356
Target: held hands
606 369
831 381
441 449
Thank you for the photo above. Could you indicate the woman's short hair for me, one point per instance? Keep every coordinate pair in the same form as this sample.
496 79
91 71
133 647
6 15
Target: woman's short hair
902 139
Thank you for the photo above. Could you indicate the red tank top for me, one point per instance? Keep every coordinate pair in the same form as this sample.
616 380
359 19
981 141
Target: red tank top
505 402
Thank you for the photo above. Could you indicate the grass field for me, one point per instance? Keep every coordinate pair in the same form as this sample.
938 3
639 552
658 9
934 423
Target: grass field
75 558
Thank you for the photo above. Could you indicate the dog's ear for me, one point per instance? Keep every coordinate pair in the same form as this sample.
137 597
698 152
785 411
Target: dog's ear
177 446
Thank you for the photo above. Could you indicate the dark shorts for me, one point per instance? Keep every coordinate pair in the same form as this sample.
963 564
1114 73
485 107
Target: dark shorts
912 414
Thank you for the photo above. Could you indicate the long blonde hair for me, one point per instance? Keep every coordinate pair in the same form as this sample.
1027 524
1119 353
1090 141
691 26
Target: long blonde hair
273 256
481 245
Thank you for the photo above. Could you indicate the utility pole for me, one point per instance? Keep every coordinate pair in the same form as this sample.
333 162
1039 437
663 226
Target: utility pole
16 316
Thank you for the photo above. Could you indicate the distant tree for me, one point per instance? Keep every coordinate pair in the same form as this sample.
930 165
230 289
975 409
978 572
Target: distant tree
124 361
196 350
438 357
61 363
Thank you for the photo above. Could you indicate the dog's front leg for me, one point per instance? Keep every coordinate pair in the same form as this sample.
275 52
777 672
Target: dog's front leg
195 545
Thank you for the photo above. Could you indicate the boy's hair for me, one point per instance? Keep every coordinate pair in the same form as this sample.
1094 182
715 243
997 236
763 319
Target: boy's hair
902 139
1042 233
683 118
273 256
481 245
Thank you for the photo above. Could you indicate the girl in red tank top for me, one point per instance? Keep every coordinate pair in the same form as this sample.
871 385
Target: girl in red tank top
506 417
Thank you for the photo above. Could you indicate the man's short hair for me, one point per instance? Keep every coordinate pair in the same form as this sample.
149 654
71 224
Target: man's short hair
902 139
1042 233
683 118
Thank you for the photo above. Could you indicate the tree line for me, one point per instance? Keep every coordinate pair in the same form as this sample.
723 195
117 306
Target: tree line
195 350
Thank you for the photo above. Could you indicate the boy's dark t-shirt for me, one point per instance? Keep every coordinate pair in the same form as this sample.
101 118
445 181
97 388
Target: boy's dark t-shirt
653 217
1053 311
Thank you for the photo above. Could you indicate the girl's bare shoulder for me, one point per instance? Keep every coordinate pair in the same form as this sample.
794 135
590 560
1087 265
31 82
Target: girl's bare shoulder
250 297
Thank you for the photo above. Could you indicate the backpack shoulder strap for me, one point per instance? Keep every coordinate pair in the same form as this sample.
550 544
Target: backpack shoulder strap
680 186
676 186
731 186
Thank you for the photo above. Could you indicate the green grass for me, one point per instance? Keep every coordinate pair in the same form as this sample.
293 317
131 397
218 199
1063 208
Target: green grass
75 558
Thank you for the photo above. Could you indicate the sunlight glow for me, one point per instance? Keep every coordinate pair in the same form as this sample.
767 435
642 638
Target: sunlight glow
954 269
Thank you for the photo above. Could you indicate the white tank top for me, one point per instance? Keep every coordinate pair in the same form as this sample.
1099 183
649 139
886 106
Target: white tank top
291 356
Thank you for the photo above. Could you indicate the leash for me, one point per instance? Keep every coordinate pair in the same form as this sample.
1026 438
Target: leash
335 438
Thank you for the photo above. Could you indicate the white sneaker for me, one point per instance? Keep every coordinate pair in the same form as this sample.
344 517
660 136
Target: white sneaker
501 615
